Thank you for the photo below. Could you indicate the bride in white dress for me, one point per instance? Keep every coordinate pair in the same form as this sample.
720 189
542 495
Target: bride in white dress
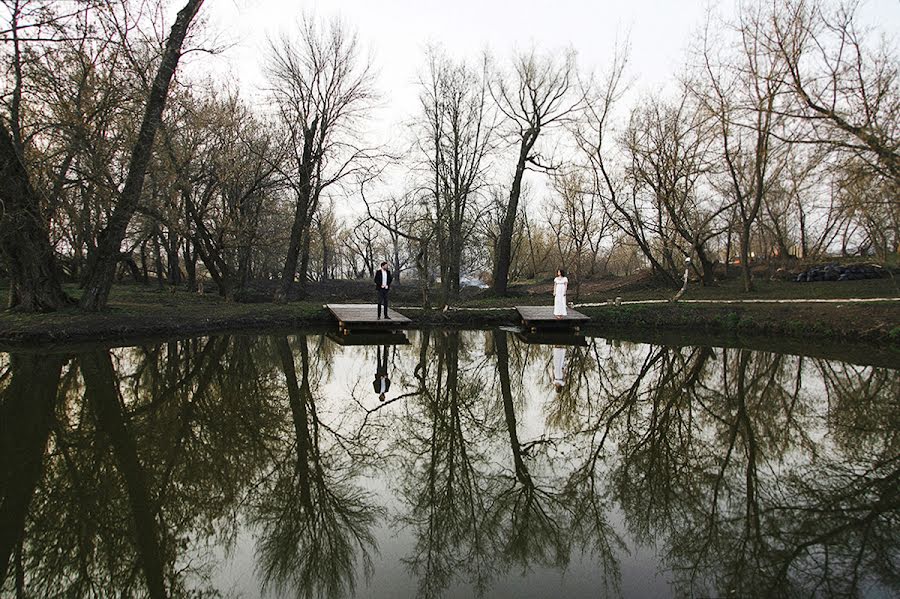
560 286
559 366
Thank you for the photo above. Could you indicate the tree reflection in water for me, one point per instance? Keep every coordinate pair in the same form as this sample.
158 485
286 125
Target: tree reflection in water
133 471
444 430
313 521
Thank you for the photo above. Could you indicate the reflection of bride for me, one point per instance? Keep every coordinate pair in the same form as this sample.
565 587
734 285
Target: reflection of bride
559 365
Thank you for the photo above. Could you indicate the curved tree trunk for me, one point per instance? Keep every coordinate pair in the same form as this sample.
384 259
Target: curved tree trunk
503 254
746 275
707 274
102 268
301 223
24 239
509 412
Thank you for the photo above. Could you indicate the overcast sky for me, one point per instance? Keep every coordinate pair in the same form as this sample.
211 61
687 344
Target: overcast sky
397 31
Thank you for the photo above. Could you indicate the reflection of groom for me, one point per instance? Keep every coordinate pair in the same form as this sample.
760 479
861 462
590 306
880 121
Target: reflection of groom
382 384
383 280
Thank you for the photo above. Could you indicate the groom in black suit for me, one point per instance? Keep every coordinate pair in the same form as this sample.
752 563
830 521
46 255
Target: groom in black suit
383 280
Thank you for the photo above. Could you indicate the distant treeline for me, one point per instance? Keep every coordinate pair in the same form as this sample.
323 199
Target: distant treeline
779 137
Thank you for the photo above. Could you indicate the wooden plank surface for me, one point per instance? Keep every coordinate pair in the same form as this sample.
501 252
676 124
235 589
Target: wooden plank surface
365 314
538 315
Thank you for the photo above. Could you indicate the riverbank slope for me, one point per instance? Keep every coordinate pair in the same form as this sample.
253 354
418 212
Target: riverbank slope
775 310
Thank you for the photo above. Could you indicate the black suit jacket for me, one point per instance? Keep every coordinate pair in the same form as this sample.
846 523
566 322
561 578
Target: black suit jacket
377 279
376 385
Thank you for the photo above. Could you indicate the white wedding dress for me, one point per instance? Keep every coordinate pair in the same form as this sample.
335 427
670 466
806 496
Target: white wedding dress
559 365
560 285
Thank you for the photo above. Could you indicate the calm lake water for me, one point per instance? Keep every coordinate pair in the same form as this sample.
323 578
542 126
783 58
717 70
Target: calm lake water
267 466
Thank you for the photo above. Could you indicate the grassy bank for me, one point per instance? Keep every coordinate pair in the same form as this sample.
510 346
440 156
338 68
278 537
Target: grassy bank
137 312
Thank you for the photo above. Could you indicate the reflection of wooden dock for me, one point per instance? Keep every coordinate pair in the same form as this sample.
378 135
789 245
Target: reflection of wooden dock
370 338
535 317
364 317
554 337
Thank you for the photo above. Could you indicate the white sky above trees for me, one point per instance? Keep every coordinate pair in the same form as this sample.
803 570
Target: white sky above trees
396 33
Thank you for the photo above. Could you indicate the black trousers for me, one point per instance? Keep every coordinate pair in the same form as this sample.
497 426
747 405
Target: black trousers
383 301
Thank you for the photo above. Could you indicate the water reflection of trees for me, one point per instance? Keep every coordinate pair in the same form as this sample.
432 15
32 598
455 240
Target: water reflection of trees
148 460
445 428
29 387
314 521
128 472
481 501
726 456
149 449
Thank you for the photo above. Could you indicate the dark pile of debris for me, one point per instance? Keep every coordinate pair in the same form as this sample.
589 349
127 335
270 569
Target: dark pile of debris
836 272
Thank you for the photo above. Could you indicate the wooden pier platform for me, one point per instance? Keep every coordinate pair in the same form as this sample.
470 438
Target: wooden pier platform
369 338
364 317
535 317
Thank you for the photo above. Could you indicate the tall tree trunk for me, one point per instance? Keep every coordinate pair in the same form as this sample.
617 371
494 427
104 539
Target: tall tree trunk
96 292
503 254
301 213
424 273
326 260
728 246
24 239
145 270
157 258
298 394
303 271
397 273
173 260
455 260
746 275
707 274
190 265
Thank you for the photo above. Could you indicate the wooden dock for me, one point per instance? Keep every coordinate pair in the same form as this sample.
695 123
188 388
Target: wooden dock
364 317
535 317
369 338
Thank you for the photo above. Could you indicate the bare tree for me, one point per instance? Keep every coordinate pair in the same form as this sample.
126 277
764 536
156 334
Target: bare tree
744 95
223 160
669 148
24 232
415 225
102 267
399 213
456 138
24 238
592 134
578 219
845 84
326 226
322 89
540 92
